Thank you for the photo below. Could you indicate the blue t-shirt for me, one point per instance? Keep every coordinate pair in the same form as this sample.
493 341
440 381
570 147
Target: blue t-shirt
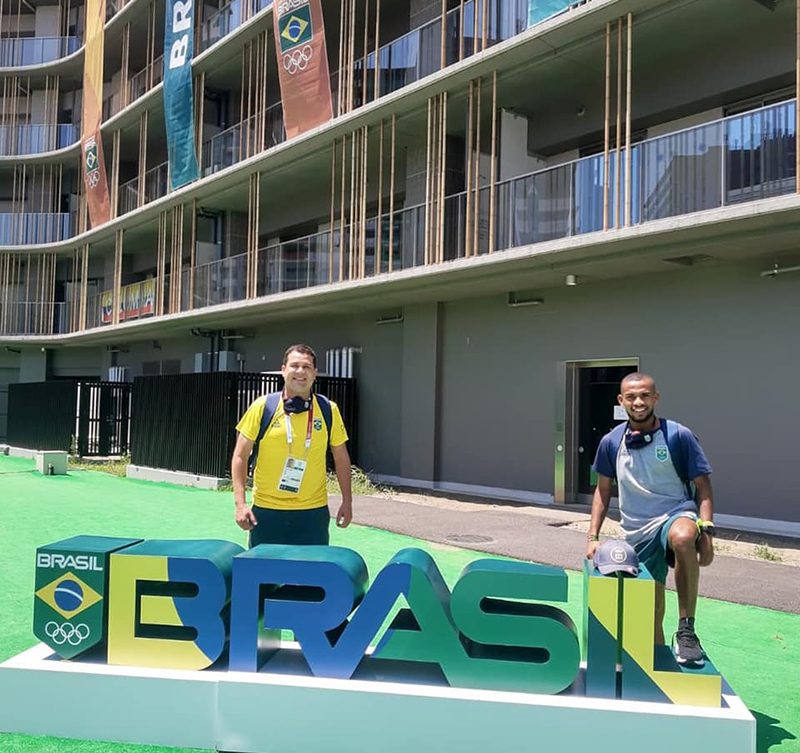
649 486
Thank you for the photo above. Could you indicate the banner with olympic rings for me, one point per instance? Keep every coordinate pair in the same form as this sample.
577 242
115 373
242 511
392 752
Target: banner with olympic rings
302 65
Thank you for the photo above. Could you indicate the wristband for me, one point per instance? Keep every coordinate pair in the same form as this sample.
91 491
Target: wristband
706 526
593 537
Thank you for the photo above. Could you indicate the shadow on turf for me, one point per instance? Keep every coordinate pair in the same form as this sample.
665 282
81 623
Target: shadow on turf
769 733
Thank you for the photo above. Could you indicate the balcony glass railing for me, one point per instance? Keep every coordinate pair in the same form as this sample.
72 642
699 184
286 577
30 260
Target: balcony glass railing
146 79
225 20
35 139
239 142
18 51
156 185
34 318
736 159
32 228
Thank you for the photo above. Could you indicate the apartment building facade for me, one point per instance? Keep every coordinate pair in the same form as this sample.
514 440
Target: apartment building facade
519 202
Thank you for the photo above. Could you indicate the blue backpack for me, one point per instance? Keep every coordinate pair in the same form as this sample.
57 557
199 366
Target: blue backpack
675 443
270 406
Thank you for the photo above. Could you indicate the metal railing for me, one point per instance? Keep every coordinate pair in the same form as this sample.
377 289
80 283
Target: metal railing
736 159
238 142
34 318
36 138
141 82
19 51
225 20
32 228
156 185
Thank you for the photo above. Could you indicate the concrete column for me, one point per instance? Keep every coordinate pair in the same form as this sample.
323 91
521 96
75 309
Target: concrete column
34 365
419 440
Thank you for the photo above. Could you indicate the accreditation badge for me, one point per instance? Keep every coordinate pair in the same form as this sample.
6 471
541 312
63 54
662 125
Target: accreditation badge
293 471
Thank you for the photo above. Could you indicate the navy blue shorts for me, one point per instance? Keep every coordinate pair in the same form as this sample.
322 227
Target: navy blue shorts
655 554
292 527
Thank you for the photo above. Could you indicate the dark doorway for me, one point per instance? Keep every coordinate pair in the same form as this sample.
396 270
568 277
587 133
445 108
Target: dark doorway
598 387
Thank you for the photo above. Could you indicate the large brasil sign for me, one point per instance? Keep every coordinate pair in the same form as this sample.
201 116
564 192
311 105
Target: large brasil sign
192 604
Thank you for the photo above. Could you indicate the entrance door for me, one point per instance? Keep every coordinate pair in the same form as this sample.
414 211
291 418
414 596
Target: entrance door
589 401
598 387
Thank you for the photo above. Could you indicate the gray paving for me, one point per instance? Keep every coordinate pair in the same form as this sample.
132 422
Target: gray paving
540 535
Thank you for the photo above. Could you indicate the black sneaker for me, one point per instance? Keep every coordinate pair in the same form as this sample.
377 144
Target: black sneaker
687 648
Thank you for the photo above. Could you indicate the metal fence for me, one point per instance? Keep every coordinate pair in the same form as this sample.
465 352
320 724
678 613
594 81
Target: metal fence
186 422
41 415
90 417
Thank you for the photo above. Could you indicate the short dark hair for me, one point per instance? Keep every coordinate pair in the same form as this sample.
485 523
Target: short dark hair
306 350
637 376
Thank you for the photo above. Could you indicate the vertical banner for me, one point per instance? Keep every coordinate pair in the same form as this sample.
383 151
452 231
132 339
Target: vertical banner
93 165
302 65
178 94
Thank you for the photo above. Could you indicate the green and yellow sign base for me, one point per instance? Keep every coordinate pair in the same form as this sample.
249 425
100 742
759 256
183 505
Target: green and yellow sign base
384 708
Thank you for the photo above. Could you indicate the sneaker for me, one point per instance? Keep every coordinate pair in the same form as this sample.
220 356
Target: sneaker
687 648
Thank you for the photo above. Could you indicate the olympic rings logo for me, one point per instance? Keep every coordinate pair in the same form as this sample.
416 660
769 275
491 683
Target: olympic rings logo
297 60
94 178
66 633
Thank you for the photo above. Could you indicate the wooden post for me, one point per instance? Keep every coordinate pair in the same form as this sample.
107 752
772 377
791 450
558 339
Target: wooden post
192 254
477 173
116 138
124 82
85 286
618 172
350 245
339 89
365 55
201 107
607 130
628 167
142 157
442 186
443 61
118 240
333 212
493 178
377 85
342 221
428 183
797 106
468 218
391 195
461 30
379 220
365 185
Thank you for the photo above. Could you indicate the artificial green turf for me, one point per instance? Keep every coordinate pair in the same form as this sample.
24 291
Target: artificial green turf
757 650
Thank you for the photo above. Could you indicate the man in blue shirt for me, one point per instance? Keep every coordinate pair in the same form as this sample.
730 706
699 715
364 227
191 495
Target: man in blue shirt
665 502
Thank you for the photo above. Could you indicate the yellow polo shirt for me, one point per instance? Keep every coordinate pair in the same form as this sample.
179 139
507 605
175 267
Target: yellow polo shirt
274 449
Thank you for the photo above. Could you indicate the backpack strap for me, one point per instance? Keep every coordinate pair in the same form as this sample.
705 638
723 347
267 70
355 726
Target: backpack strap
615 438
677 453
270 406
327 412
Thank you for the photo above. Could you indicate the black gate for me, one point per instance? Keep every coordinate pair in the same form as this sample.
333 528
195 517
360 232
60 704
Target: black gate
92 418
186 422
103 418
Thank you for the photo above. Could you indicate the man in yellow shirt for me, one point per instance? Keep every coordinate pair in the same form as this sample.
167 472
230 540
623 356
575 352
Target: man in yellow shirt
290 497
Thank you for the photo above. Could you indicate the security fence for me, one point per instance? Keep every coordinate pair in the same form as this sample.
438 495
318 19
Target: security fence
186 422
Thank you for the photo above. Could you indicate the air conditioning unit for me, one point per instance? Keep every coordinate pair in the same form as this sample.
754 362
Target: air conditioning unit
118 374
228 360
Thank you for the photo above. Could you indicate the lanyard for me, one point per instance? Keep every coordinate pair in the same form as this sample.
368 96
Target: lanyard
290 433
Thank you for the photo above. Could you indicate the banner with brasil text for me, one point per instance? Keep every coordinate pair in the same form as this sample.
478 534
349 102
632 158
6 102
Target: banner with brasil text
178 94
302 65
93 164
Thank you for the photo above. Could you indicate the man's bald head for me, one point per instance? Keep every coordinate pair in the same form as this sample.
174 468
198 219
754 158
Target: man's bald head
637 376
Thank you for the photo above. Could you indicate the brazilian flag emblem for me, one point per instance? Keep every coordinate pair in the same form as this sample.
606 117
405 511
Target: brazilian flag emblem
91 157
295 28
69 610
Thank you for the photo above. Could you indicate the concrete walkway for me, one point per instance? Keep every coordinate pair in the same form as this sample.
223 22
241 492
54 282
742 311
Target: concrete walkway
545 535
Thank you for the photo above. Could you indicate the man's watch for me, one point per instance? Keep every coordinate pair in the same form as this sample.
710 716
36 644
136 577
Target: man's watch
706 526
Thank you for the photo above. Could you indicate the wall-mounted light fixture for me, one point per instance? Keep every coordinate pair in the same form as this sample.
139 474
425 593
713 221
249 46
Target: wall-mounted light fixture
392 319
571 281
515 300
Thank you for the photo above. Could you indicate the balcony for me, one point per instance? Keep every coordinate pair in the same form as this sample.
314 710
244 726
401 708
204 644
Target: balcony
34 318
225 20
36 139
156 185
34 228
20 51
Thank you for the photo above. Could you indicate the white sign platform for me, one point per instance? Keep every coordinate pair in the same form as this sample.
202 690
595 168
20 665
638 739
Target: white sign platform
286 710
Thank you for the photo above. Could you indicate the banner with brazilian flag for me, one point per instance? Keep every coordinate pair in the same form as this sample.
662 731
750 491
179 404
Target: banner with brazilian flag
302 65
93 164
